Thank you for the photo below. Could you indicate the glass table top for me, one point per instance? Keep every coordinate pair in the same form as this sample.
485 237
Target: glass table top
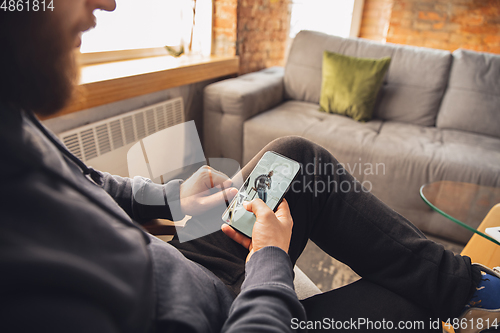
463 203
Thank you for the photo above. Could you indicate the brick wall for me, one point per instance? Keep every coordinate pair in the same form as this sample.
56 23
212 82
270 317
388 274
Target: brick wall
224 27
375 19
256 30
442 24
263 28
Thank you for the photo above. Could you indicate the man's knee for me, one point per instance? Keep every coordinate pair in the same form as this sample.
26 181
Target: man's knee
291 146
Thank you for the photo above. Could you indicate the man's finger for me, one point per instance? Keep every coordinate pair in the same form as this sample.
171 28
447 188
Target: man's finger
220 198
257 206
231 193
283 209
227 183
236 236
219 178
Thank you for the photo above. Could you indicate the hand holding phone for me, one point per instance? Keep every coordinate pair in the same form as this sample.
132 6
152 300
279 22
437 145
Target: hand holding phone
251 219
270 229
269 181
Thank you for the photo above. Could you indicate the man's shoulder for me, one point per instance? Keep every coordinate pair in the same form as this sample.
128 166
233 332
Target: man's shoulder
17 143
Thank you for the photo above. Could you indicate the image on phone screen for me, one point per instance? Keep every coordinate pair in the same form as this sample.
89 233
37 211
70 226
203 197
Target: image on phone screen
269 181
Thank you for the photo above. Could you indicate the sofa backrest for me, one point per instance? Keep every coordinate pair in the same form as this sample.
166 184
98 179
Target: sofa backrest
472 100
413 87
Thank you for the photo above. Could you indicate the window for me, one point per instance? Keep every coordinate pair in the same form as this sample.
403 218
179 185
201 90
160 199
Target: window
148 26
335 17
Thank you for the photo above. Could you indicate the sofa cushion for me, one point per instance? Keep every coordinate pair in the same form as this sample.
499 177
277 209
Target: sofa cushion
472 100
412 89
297 118
414 156
350 85
393 159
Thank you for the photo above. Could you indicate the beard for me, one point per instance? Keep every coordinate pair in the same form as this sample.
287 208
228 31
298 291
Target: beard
38 70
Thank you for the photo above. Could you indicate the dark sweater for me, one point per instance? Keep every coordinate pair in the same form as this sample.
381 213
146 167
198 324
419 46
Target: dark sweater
73 259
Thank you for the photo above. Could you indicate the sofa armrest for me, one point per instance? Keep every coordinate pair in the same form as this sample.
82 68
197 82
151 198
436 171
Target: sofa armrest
228 103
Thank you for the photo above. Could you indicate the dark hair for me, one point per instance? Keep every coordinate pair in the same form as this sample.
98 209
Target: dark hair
37 69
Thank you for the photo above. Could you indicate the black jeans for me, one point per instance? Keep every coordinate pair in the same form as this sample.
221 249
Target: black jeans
405 276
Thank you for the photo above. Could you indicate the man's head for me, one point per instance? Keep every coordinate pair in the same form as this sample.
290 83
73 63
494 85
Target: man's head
37 65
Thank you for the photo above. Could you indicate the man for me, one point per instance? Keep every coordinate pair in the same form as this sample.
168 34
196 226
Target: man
262 184
74 259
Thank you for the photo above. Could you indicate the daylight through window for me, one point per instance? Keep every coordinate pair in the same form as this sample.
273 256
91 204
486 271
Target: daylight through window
140 24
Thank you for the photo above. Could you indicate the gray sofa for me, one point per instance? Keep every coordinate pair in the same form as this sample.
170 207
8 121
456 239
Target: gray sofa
437 117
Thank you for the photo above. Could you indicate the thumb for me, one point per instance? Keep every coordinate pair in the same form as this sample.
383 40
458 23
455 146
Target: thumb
220 197
256 206
283 209
230 193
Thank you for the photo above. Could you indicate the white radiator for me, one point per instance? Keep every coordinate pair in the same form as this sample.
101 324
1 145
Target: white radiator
104 144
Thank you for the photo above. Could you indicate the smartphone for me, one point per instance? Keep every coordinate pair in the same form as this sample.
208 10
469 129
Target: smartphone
269 180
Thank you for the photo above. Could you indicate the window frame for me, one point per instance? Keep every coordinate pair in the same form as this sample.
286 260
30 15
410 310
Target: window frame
92 58
357 17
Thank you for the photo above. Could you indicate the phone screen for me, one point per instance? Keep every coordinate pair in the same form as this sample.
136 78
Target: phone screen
269 180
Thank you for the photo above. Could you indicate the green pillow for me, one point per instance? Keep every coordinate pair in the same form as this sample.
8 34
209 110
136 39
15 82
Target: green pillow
350 85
